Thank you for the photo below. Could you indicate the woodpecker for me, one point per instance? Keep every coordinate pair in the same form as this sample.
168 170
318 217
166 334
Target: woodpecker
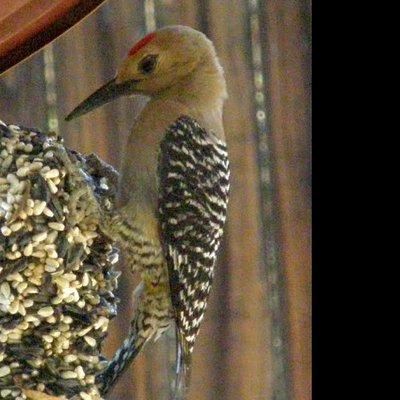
173 190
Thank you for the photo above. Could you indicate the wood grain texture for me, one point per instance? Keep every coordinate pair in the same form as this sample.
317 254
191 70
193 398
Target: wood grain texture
20 87
287 48
245 357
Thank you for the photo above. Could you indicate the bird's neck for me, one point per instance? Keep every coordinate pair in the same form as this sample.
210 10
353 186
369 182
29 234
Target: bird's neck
203 93
204 88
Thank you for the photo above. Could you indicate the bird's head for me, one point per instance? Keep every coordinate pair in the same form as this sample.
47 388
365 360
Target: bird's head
154 64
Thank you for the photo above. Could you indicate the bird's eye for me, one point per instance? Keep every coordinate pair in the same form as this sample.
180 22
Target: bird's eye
148 64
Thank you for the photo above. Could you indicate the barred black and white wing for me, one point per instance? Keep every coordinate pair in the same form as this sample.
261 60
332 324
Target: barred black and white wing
194 185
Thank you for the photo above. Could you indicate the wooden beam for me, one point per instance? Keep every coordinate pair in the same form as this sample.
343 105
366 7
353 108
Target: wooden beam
26 26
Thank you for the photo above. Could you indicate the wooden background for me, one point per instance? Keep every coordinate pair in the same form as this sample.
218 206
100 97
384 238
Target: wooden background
255 341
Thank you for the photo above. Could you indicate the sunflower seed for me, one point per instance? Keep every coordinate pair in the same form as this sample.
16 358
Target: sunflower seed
46 311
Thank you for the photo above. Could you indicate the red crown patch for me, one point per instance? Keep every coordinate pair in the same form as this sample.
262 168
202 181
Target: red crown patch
141 43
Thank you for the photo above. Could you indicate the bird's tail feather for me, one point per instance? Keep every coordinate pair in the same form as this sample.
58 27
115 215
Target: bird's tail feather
183 371
121 361
124 356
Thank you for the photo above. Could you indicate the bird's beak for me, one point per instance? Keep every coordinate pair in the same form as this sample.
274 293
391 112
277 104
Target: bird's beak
105 94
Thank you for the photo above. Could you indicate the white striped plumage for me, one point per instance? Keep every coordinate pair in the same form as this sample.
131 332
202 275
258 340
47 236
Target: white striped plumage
195 178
